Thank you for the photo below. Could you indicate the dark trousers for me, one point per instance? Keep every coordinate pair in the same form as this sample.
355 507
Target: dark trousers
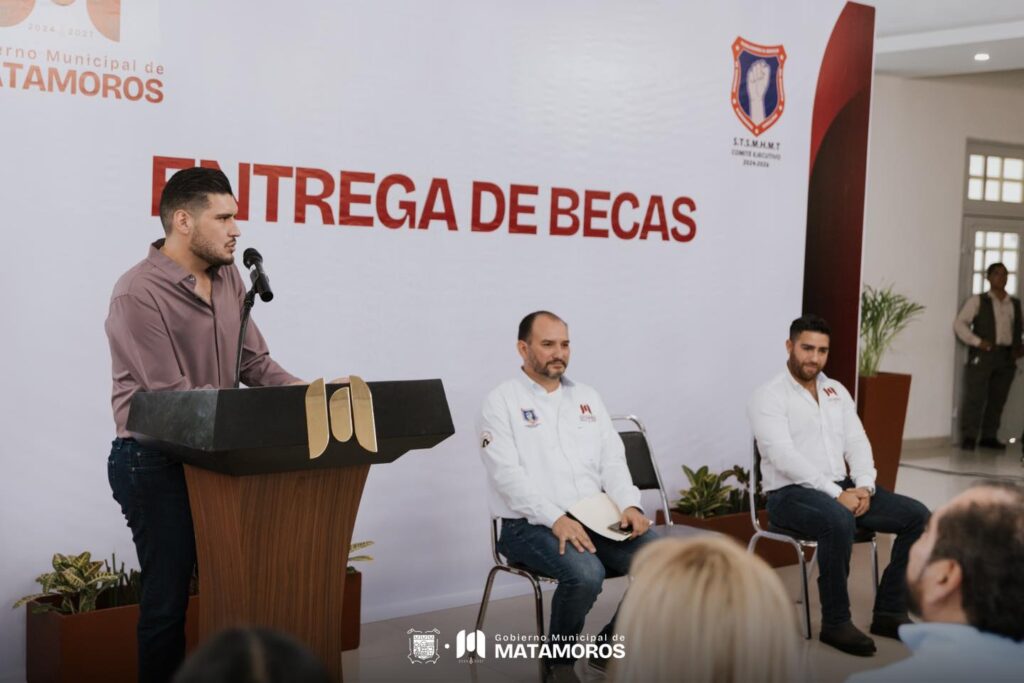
580 575
154 499
987 380
823 518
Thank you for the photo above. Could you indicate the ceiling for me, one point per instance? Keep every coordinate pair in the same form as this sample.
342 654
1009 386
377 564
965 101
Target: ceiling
928 38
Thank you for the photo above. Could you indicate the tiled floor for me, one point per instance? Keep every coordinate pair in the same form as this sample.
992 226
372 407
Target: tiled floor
931 475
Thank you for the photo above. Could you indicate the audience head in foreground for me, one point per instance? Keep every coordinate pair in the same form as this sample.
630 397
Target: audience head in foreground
705 610
252 655
966 584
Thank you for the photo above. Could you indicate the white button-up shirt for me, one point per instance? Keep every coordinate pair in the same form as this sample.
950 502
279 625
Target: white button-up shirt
808 442
543 451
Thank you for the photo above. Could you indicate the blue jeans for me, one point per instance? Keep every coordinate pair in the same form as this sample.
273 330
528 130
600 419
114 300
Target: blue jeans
580 575
151 490
819 516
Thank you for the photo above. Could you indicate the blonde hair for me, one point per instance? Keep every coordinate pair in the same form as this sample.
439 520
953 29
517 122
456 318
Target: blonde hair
704 610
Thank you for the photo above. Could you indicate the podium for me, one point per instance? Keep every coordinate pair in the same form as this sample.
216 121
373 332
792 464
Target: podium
273 525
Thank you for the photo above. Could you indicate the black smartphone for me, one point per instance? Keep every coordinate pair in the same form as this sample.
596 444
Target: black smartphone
616 527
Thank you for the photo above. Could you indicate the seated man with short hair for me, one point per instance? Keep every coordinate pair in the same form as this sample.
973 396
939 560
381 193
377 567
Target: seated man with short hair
807 432
548 443
966 578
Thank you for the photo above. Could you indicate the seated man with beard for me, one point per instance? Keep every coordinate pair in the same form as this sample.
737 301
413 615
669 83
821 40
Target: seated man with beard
808 432
547 443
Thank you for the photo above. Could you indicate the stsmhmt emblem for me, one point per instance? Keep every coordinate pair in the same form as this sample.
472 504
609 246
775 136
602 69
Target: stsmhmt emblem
423 646
757 94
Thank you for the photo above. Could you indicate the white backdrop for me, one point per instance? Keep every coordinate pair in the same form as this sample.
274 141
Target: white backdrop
579 95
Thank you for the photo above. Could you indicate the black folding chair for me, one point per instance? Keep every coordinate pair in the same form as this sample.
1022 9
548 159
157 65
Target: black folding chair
644 471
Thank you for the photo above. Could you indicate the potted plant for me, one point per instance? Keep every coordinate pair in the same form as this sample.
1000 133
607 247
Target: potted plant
353 597
882 397
81 626
711 503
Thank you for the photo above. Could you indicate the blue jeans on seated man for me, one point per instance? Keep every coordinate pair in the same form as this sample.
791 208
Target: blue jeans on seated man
817 515
580 575
154 499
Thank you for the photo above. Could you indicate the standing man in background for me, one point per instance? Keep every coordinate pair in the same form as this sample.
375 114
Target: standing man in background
990 324
173 325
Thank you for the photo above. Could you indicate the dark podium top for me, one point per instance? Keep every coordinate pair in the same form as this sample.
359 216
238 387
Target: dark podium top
263 429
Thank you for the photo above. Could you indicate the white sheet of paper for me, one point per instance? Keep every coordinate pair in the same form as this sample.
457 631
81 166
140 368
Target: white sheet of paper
597 513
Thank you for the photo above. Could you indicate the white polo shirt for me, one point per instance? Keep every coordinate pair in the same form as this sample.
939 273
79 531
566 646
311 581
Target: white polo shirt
808 442
543 451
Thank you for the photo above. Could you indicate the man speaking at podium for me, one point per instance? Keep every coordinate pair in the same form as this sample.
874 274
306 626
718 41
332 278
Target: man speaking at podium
173 325
548 443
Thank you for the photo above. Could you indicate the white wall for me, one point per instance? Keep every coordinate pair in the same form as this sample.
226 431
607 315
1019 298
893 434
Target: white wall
913 219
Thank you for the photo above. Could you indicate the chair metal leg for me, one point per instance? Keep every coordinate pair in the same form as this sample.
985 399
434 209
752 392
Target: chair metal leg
486 599
538 600
807 597
874 564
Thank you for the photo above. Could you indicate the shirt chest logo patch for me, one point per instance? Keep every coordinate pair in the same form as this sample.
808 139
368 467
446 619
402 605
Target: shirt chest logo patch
586 414
530 417
830 393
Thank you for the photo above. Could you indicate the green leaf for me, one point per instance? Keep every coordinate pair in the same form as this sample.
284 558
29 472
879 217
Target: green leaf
28 598
72 579
884 314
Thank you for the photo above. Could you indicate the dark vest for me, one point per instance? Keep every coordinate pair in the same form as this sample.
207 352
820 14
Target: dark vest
984 323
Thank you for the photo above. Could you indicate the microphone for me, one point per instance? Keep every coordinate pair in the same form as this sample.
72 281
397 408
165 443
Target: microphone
260 282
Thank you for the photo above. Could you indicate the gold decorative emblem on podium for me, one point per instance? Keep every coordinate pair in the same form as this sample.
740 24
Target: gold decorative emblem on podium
350 410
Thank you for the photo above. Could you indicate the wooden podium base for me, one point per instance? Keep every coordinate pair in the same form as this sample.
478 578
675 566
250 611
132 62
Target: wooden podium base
273 549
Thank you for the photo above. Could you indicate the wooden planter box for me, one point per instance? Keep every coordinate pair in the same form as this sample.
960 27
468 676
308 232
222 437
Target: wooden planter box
351 611
739 526
91 646
882 406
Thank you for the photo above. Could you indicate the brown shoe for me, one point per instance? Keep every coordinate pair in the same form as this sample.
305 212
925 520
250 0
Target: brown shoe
887 625
848 638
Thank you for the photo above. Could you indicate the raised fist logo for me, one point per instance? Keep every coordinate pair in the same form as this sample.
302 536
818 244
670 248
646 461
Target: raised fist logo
757 87
757 94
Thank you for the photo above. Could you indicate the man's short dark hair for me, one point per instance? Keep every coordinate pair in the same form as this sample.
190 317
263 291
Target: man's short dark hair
991 269
189 189
987 541
243 655
526 324
808 323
